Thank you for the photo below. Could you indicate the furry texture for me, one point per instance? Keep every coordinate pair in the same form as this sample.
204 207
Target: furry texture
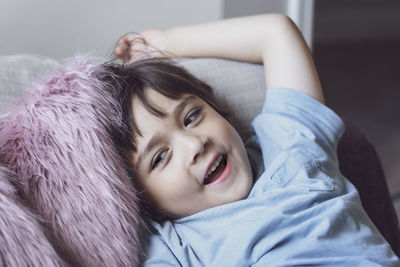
57 141
22 241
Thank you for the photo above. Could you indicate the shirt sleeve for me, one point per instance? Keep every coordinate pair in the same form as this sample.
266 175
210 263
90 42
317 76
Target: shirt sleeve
289 118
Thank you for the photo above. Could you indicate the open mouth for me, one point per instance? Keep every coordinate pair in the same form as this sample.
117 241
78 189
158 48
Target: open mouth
214 173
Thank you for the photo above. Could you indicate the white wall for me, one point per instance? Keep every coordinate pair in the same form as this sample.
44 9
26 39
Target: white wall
301 11
61 28
235 8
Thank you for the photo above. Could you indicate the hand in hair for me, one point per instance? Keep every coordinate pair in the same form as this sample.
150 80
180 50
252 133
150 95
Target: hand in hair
137 46
272 39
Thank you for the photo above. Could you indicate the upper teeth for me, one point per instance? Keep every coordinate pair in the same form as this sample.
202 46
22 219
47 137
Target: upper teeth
214 166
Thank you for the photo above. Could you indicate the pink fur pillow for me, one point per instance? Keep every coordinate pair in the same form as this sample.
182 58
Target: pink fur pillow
22 241
58 142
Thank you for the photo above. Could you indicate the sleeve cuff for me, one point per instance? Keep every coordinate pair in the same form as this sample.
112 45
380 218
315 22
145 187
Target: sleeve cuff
320 119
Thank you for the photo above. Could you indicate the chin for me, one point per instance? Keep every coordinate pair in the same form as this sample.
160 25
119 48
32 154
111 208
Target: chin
243 191
246 192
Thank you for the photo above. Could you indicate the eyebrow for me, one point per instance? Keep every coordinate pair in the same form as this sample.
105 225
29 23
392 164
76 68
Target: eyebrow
156 139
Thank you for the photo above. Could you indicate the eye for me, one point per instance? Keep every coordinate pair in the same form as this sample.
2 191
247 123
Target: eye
159 158
192 116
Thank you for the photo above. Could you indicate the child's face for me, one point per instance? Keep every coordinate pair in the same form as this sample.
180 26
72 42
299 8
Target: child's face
175 154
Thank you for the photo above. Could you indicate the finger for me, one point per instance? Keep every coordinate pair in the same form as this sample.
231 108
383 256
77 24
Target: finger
122 45
119 51
127 54
133 36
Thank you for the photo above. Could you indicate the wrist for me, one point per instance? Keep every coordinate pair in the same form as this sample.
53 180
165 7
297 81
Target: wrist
156 39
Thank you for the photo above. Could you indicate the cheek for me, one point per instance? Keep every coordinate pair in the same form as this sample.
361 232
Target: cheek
172 184
227 133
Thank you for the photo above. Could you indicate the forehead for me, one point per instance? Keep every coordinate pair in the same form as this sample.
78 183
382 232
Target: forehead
149 124
156 100
144 119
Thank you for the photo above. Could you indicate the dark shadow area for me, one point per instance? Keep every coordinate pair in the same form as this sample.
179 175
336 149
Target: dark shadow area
357 53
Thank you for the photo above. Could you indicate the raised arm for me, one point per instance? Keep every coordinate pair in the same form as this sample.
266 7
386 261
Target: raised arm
272 39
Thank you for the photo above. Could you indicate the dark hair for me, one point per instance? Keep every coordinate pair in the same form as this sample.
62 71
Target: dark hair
132 80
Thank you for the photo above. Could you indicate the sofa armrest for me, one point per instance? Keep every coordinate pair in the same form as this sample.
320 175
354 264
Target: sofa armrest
359 163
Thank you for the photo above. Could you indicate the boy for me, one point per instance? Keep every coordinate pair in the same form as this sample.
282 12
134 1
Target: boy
223 207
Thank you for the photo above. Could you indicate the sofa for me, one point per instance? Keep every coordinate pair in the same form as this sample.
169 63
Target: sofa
240 88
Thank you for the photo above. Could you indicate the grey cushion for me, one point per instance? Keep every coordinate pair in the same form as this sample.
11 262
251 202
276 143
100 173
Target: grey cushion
239 87
18 72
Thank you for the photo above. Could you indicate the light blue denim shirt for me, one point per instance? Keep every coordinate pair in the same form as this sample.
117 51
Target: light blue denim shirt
300 211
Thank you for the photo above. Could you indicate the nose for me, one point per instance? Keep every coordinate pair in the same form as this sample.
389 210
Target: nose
192 146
